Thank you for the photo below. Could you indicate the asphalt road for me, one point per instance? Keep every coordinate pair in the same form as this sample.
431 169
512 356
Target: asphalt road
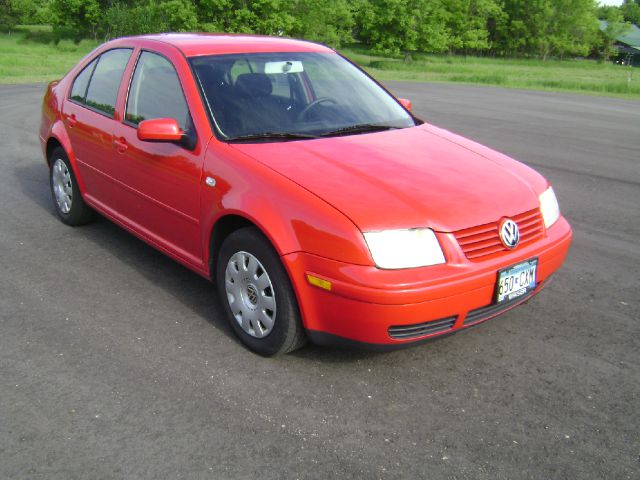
115 361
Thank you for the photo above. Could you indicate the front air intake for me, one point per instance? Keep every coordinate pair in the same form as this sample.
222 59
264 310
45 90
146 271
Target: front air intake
485 313
402 332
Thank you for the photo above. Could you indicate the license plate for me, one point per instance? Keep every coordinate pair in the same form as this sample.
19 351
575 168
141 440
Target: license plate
516 281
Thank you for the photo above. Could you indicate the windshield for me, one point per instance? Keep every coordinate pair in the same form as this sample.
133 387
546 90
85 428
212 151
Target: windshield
283 96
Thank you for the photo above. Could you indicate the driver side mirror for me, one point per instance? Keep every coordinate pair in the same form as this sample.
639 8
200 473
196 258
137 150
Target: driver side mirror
405 103
160 130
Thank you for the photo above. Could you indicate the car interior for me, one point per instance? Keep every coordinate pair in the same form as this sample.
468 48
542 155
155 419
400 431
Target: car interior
252 101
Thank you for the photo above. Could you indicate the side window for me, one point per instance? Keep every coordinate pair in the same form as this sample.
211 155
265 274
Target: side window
156 92
105 81
80 84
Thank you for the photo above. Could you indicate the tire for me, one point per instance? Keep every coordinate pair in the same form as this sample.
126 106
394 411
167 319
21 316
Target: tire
257 295
65 193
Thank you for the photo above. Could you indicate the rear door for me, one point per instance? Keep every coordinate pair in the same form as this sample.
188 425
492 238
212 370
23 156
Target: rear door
161 180
90 117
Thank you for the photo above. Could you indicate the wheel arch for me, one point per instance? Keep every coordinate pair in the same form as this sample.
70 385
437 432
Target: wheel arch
221 229
229 222
287 228
58 137
52 144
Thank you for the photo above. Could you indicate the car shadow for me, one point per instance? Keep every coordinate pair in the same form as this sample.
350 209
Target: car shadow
355 354
33 180
190 289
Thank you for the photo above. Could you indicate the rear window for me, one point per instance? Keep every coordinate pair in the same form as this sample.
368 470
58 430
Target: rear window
80 84
101 82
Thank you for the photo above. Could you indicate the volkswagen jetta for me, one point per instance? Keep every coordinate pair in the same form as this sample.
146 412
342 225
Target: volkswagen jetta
317 203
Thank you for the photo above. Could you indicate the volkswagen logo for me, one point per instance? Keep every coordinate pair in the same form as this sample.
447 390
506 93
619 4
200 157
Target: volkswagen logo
509 233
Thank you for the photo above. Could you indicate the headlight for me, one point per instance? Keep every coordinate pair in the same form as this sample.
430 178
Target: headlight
393 249
549 207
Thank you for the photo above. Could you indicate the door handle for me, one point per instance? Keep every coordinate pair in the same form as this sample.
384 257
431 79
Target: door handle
120 144
71 120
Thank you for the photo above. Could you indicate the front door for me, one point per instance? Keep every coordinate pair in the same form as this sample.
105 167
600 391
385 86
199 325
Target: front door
160 181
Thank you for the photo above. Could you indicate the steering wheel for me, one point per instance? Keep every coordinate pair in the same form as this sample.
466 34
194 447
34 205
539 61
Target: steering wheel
314 104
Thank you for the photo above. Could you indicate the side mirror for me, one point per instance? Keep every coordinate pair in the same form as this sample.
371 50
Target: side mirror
160 130
405 103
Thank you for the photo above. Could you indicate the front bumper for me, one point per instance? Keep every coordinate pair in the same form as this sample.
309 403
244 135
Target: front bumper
365 302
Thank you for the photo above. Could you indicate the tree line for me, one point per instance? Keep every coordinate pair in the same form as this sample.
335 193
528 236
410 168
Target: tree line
528 28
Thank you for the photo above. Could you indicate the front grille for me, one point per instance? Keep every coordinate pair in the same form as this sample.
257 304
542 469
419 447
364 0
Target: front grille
482 242
421 329
484 313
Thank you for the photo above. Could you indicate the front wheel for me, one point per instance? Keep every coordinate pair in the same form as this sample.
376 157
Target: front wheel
257 295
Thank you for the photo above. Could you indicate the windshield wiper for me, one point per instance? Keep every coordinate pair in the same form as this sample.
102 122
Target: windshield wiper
360 128
272 135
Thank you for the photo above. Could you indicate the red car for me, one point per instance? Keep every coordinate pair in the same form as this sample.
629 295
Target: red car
320 207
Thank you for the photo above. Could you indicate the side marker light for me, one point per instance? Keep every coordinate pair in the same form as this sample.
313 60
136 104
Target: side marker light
319 282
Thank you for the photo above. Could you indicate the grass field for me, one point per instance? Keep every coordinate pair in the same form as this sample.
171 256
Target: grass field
30 56
584 76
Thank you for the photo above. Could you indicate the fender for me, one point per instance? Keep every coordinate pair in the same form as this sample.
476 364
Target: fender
292 218
52 126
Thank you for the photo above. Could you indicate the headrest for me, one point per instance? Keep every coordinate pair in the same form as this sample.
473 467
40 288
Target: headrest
253 85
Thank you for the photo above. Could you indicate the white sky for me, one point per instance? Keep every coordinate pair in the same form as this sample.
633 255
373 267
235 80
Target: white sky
610 2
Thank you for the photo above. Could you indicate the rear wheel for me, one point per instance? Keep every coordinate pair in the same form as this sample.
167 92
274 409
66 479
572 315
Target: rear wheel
257 295
64 190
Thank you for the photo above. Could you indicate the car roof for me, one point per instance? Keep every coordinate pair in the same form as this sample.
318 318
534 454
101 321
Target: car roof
200 44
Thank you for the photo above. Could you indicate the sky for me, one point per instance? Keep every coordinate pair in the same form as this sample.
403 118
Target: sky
610 2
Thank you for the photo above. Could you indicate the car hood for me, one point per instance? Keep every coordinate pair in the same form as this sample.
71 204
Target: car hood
422 176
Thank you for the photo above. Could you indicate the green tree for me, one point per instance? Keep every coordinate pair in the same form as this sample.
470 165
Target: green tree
9 15
468 23
573 34
547 27
268 17
174 15
147 16
213 14
631 11
603 10
121 19
397 27
76 19
22 11
318 20
615 26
